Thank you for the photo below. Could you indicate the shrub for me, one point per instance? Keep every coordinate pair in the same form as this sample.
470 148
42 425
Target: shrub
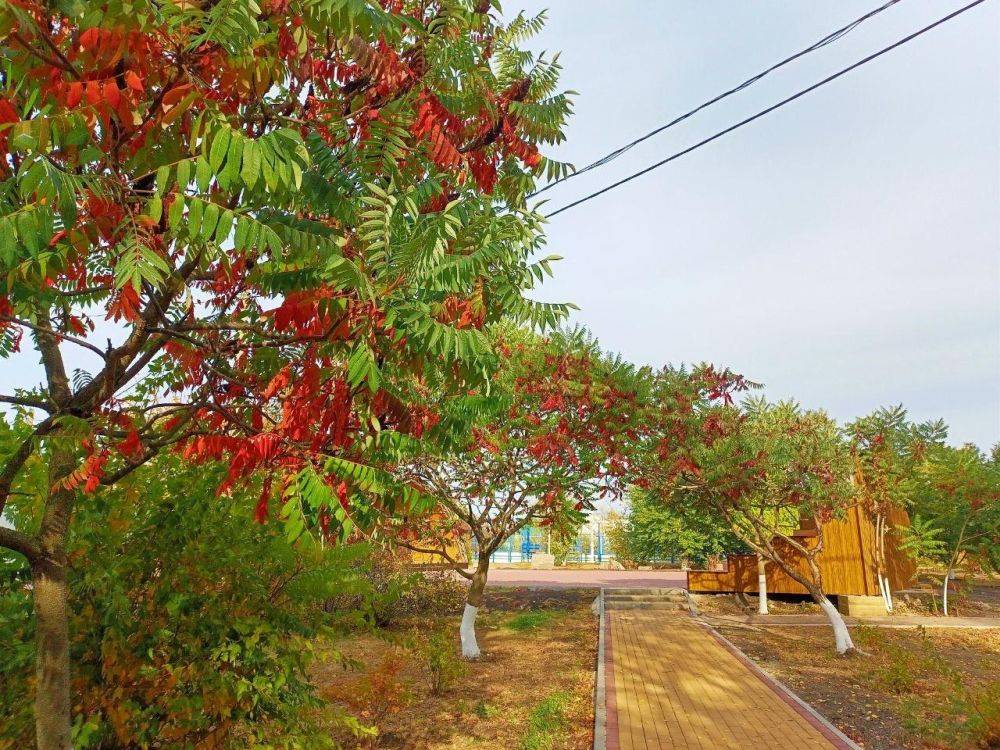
376 693
393 591
562 545
190 623
440 656
436 593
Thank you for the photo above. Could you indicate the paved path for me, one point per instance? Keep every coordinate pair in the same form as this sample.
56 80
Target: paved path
592 579
670 683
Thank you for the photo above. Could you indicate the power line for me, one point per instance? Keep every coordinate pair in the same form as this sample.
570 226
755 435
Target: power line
828 39
770 109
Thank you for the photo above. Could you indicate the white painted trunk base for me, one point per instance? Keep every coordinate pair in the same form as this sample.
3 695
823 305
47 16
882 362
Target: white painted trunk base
840 632
467 631
762 593
883 584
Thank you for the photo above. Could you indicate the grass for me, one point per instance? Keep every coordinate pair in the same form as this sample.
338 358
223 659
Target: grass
546 723
531 620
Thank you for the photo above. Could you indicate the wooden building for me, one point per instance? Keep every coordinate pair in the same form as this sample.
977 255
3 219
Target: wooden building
847 561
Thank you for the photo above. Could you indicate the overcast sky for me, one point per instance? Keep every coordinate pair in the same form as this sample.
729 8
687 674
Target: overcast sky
844 250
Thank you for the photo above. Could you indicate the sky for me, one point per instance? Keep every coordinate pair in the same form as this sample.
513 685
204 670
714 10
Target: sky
844 250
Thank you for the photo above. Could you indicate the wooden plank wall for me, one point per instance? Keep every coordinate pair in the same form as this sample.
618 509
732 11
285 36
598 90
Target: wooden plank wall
846 562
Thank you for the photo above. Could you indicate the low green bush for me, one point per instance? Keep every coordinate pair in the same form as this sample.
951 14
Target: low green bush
439 652
190 622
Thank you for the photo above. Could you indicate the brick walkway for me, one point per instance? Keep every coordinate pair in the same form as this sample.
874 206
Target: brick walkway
671 684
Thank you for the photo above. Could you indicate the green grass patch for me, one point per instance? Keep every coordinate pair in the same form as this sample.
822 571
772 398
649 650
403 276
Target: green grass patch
546 722
531 620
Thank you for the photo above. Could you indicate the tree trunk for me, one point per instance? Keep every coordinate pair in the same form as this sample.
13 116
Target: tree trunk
470 648
761 586
51 599
814 585
944 591
49 570
842 636
52 693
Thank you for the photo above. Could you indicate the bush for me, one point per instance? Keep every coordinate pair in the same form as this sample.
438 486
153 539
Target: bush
375 694
393 591
440 655
190 623
562 545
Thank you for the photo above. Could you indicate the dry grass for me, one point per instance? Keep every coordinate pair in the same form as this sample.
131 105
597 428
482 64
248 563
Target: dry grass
915 689
532 690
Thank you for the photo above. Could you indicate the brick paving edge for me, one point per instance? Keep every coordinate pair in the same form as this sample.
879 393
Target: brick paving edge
600 707
611 736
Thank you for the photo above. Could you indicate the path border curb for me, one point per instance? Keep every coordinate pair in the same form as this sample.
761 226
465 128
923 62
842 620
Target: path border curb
600 690
806 711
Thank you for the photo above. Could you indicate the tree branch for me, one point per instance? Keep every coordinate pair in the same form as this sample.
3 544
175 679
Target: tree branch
18 542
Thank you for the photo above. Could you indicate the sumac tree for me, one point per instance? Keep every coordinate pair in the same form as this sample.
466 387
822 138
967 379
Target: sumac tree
955 499
886 450
260 233
549 439
767 470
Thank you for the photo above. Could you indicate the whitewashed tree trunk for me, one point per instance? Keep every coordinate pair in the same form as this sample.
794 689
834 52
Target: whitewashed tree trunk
474 600
944 591
467 632
842 636
761 586
883 584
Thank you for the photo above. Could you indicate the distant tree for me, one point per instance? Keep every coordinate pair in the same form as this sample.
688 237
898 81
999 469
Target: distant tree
886 451
956 503
654 530
547 442
766 470
561 543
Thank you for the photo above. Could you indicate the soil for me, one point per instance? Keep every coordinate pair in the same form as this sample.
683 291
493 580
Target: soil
729 604
901 694
537 644
979 599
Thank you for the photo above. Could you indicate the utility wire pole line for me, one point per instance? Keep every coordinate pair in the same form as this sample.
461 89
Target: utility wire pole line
770 109
830 38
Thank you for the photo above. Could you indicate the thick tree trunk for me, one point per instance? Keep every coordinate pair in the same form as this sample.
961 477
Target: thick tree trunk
49 571
51 599
474 600
842 636
761 586
52 692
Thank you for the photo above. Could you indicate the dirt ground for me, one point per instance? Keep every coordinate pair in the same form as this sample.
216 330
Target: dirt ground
913 689
531 690
729 604
972 600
